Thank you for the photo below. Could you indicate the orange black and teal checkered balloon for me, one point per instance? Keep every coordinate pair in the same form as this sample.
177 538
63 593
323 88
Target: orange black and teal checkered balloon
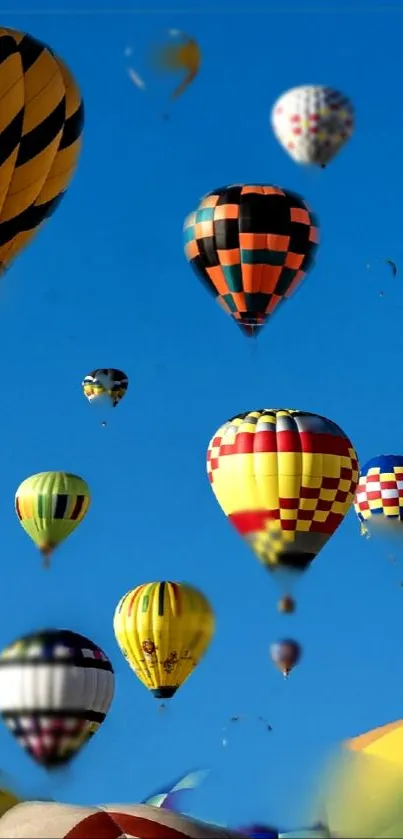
251 246
379 497
285 479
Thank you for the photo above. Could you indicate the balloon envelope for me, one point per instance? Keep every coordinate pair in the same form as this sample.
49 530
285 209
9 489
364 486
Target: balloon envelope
35 820
42 117
312 123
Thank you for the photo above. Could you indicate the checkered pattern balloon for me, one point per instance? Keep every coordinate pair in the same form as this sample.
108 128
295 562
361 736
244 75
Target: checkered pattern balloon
285 479
379 497
251 246
313 123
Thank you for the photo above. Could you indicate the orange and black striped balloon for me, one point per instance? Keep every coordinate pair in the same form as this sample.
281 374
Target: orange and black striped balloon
41 123
251 246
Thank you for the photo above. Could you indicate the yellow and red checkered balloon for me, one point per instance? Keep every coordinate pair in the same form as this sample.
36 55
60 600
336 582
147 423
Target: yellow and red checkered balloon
285 479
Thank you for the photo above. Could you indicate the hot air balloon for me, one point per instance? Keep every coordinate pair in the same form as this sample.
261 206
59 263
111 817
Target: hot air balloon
251 246
379 496
362 794
105 387
312 123
285 479
50 505
42 119
285 655
114 821
163 630
106 384
176 54
181 54
56 688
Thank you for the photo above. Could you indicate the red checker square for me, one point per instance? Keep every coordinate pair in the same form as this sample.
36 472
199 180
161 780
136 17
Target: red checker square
288 525
346 473
341 496
253 521
305 515
388 484
329 526
330 483
216 442
309 492
324 505
288 503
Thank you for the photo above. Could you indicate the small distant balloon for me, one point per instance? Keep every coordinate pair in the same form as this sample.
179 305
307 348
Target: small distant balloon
50 506
181 55
378 499
285 655
312 123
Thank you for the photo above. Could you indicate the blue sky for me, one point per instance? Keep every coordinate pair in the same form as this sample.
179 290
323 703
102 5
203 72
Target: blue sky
106 284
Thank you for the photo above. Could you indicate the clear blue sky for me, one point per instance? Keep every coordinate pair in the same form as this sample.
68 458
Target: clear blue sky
106 284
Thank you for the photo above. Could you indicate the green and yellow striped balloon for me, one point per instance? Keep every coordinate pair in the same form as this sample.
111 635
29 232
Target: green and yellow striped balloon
49 506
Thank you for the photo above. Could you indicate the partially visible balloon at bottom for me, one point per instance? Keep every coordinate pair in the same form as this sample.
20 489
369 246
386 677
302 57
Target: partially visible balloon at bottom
7 800
58 821
362 793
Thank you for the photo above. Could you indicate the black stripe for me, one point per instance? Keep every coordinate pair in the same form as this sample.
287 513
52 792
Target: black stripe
78 506
70 661
17 508
91 716
11 136
60 506
161 592
73 128
27 220
40 137
30 50
7 47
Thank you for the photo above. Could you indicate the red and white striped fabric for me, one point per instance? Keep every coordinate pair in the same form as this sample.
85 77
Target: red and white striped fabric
50 820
